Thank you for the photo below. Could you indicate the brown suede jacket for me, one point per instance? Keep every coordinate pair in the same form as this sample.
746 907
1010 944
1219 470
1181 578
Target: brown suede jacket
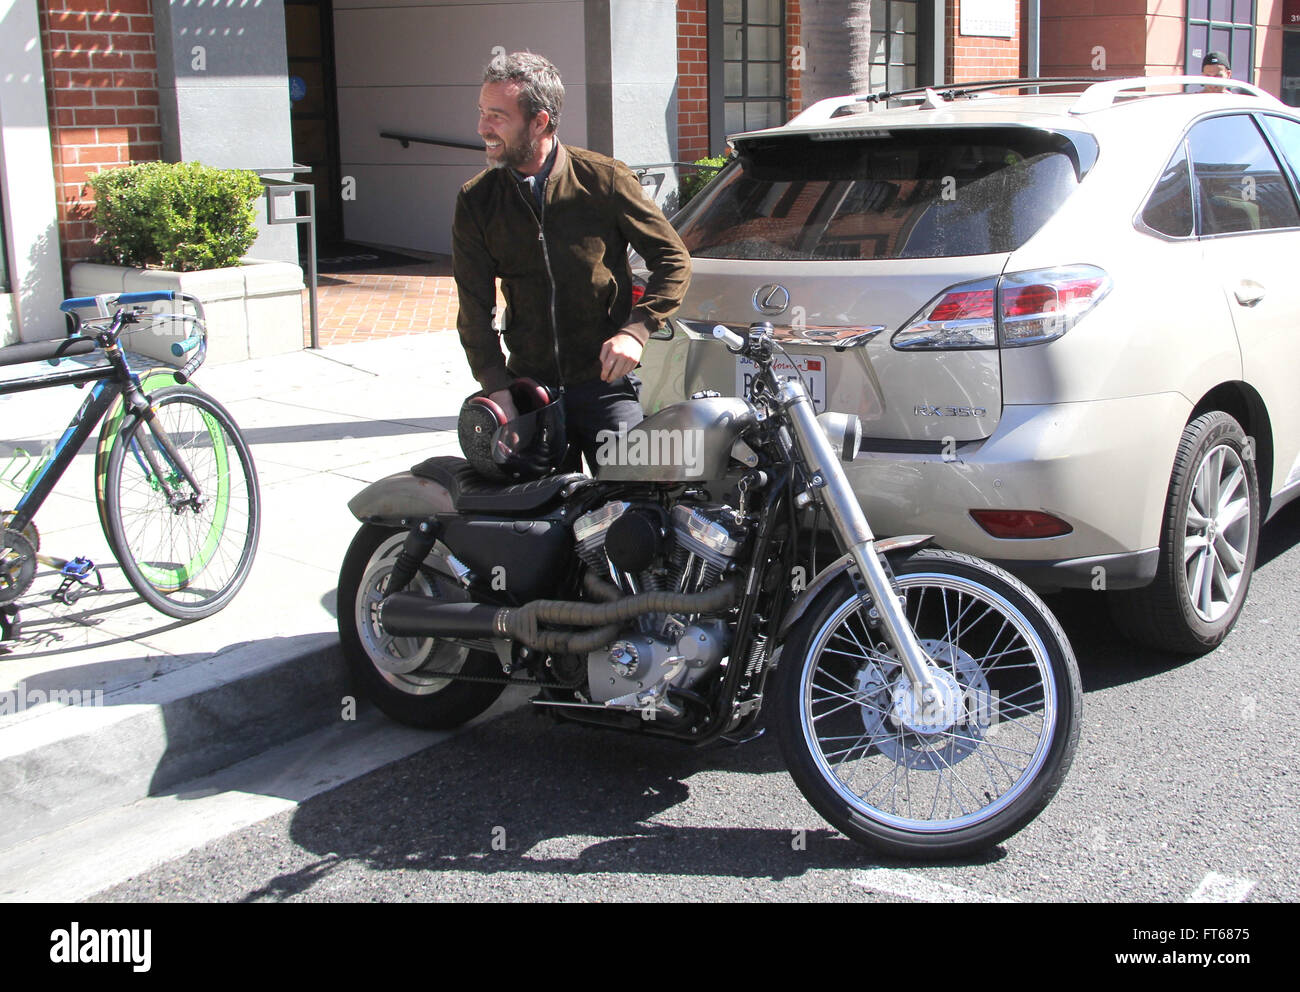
566 269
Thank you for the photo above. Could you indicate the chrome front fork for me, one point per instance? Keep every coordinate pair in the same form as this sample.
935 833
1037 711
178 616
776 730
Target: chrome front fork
826 475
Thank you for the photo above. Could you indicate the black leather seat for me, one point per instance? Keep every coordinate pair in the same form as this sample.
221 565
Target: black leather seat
471 493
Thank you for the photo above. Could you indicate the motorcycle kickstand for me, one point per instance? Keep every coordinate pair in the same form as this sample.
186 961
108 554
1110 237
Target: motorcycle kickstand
753 735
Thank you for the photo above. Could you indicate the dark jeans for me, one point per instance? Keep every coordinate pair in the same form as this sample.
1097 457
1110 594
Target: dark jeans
598 406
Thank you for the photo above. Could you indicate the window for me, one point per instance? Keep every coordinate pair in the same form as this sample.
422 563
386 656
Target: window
893 44
1169 210
1239 185
1286 138
1291 68
919 193
753 64
1222 26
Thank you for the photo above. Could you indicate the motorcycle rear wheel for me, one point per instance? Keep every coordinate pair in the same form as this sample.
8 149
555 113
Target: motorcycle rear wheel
966 780
402 675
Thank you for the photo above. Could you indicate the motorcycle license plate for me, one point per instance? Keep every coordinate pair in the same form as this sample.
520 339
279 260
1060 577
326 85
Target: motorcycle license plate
811 367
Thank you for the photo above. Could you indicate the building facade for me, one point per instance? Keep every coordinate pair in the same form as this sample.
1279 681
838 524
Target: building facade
377 97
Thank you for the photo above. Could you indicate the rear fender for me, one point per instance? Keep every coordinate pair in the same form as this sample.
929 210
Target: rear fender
400 497
889 547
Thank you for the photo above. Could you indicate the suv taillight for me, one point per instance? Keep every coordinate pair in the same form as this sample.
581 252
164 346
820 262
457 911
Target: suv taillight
1019 309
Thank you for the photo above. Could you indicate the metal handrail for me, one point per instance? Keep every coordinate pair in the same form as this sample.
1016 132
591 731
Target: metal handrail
274 188
406 140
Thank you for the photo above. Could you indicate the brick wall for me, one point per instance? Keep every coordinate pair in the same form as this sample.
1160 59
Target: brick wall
693 75
967 59
692 80
1117 40
102 87
793 76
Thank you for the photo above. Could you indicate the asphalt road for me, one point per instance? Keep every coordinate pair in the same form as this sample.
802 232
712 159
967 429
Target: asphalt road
1184 786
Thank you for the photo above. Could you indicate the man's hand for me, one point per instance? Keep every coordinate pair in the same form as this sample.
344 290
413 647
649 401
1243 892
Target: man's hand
503 399
619 356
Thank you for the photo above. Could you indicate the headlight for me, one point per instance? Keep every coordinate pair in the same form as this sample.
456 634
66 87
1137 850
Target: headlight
844 432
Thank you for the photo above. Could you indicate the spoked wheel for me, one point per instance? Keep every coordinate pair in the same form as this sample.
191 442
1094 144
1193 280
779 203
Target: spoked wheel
185 550
931 778
405 676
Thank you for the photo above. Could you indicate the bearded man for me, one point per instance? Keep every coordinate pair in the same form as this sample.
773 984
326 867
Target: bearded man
554 223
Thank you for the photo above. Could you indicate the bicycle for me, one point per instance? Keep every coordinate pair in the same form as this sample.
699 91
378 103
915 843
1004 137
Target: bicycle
175 486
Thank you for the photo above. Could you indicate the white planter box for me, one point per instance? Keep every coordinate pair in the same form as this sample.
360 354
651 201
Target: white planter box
253 309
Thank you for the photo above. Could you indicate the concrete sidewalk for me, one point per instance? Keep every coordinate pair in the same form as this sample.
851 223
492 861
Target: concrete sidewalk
180 700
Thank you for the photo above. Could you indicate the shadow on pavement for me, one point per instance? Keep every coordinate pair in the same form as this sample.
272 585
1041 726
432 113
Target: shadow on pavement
524 795
1106 659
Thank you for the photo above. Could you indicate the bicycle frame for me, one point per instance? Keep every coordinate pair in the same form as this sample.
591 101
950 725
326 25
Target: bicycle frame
116 379
83 422
164 526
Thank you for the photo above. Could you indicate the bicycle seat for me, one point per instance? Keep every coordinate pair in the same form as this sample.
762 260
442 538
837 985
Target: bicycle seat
471 493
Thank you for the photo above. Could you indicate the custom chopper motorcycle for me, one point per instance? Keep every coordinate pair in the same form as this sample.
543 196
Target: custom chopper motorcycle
927 703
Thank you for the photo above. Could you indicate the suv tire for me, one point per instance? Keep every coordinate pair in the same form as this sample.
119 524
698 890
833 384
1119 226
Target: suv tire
1207 544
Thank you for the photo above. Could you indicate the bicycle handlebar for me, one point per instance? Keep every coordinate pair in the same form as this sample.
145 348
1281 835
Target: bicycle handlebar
196 341
119 299
189 344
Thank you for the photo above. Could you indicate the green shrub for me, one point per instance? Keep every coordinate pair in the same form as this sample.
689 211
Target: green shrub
694 181
182 216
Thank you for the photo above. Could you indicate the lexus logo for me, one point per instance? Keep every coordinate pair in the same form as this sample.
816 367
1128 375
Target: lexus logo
771 299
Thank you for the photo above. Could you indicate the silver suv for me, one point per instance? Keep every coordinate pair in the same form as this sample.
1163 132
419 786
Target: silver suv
1070 323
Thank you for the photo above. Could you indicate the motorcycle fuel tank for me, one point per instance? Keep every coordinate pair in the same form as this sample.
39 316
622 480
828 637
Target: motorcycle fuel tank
685 442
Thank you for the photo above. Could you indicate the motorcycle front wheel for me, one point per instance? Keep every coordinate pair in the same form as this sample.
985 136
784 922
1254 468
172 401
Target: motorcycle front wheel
946 779
405 676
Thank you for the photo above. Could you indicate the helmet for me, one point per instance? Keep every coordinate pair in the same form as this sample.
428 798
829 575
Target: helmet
528 447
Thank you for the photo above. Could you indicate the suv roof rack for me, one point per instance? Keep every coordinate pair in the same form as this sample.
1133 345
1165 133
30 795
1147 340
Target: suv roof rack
933 96
1101 92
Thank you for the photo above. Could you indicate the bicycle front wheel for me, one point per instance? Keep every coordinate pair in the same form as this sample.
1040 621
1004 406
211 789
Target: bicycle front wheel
183 518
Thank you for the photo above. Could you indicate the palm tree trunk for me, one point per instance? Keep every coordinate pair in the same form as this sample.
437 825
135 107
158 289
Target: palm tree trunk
859 24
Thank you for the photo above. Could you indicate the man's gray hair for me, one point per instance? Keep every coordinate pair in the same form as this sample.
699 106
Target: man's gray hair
539 83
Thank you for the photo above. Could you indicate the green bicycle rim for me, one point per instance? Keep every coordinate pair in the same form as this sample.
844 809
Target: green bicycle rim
173 578
108 434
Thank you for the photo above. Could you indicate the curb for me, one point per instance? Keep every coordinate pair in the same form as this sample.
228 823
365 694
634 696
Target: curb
60 764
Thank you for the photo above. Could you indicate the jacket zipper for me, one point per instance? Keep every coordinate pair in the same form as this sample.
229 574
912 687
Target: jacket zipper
550 276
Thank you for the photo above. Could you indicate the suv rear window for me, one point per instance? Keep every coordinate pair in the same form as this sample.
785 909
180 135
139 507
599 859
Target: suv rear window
915 193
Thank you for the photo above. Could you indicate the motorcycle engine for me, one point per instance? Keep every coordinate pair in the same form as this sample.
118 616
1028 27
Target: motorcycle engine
642 547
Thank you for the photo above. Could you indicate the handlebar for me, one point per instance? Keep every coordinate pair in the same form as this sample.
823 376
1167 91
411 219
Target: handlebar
105 300
111 305
734 342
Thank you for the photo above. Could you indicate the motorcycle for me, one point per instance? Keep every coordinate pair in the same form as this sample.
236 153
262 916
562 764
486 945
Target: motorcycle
927 703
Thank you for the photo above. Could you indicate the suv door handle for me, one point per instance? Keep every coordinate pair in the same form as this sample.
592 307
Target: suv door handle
1248 292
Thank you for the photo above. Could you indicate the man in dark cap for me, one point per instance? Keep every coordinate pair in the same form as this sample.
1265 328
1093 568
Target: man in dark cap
1216 64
